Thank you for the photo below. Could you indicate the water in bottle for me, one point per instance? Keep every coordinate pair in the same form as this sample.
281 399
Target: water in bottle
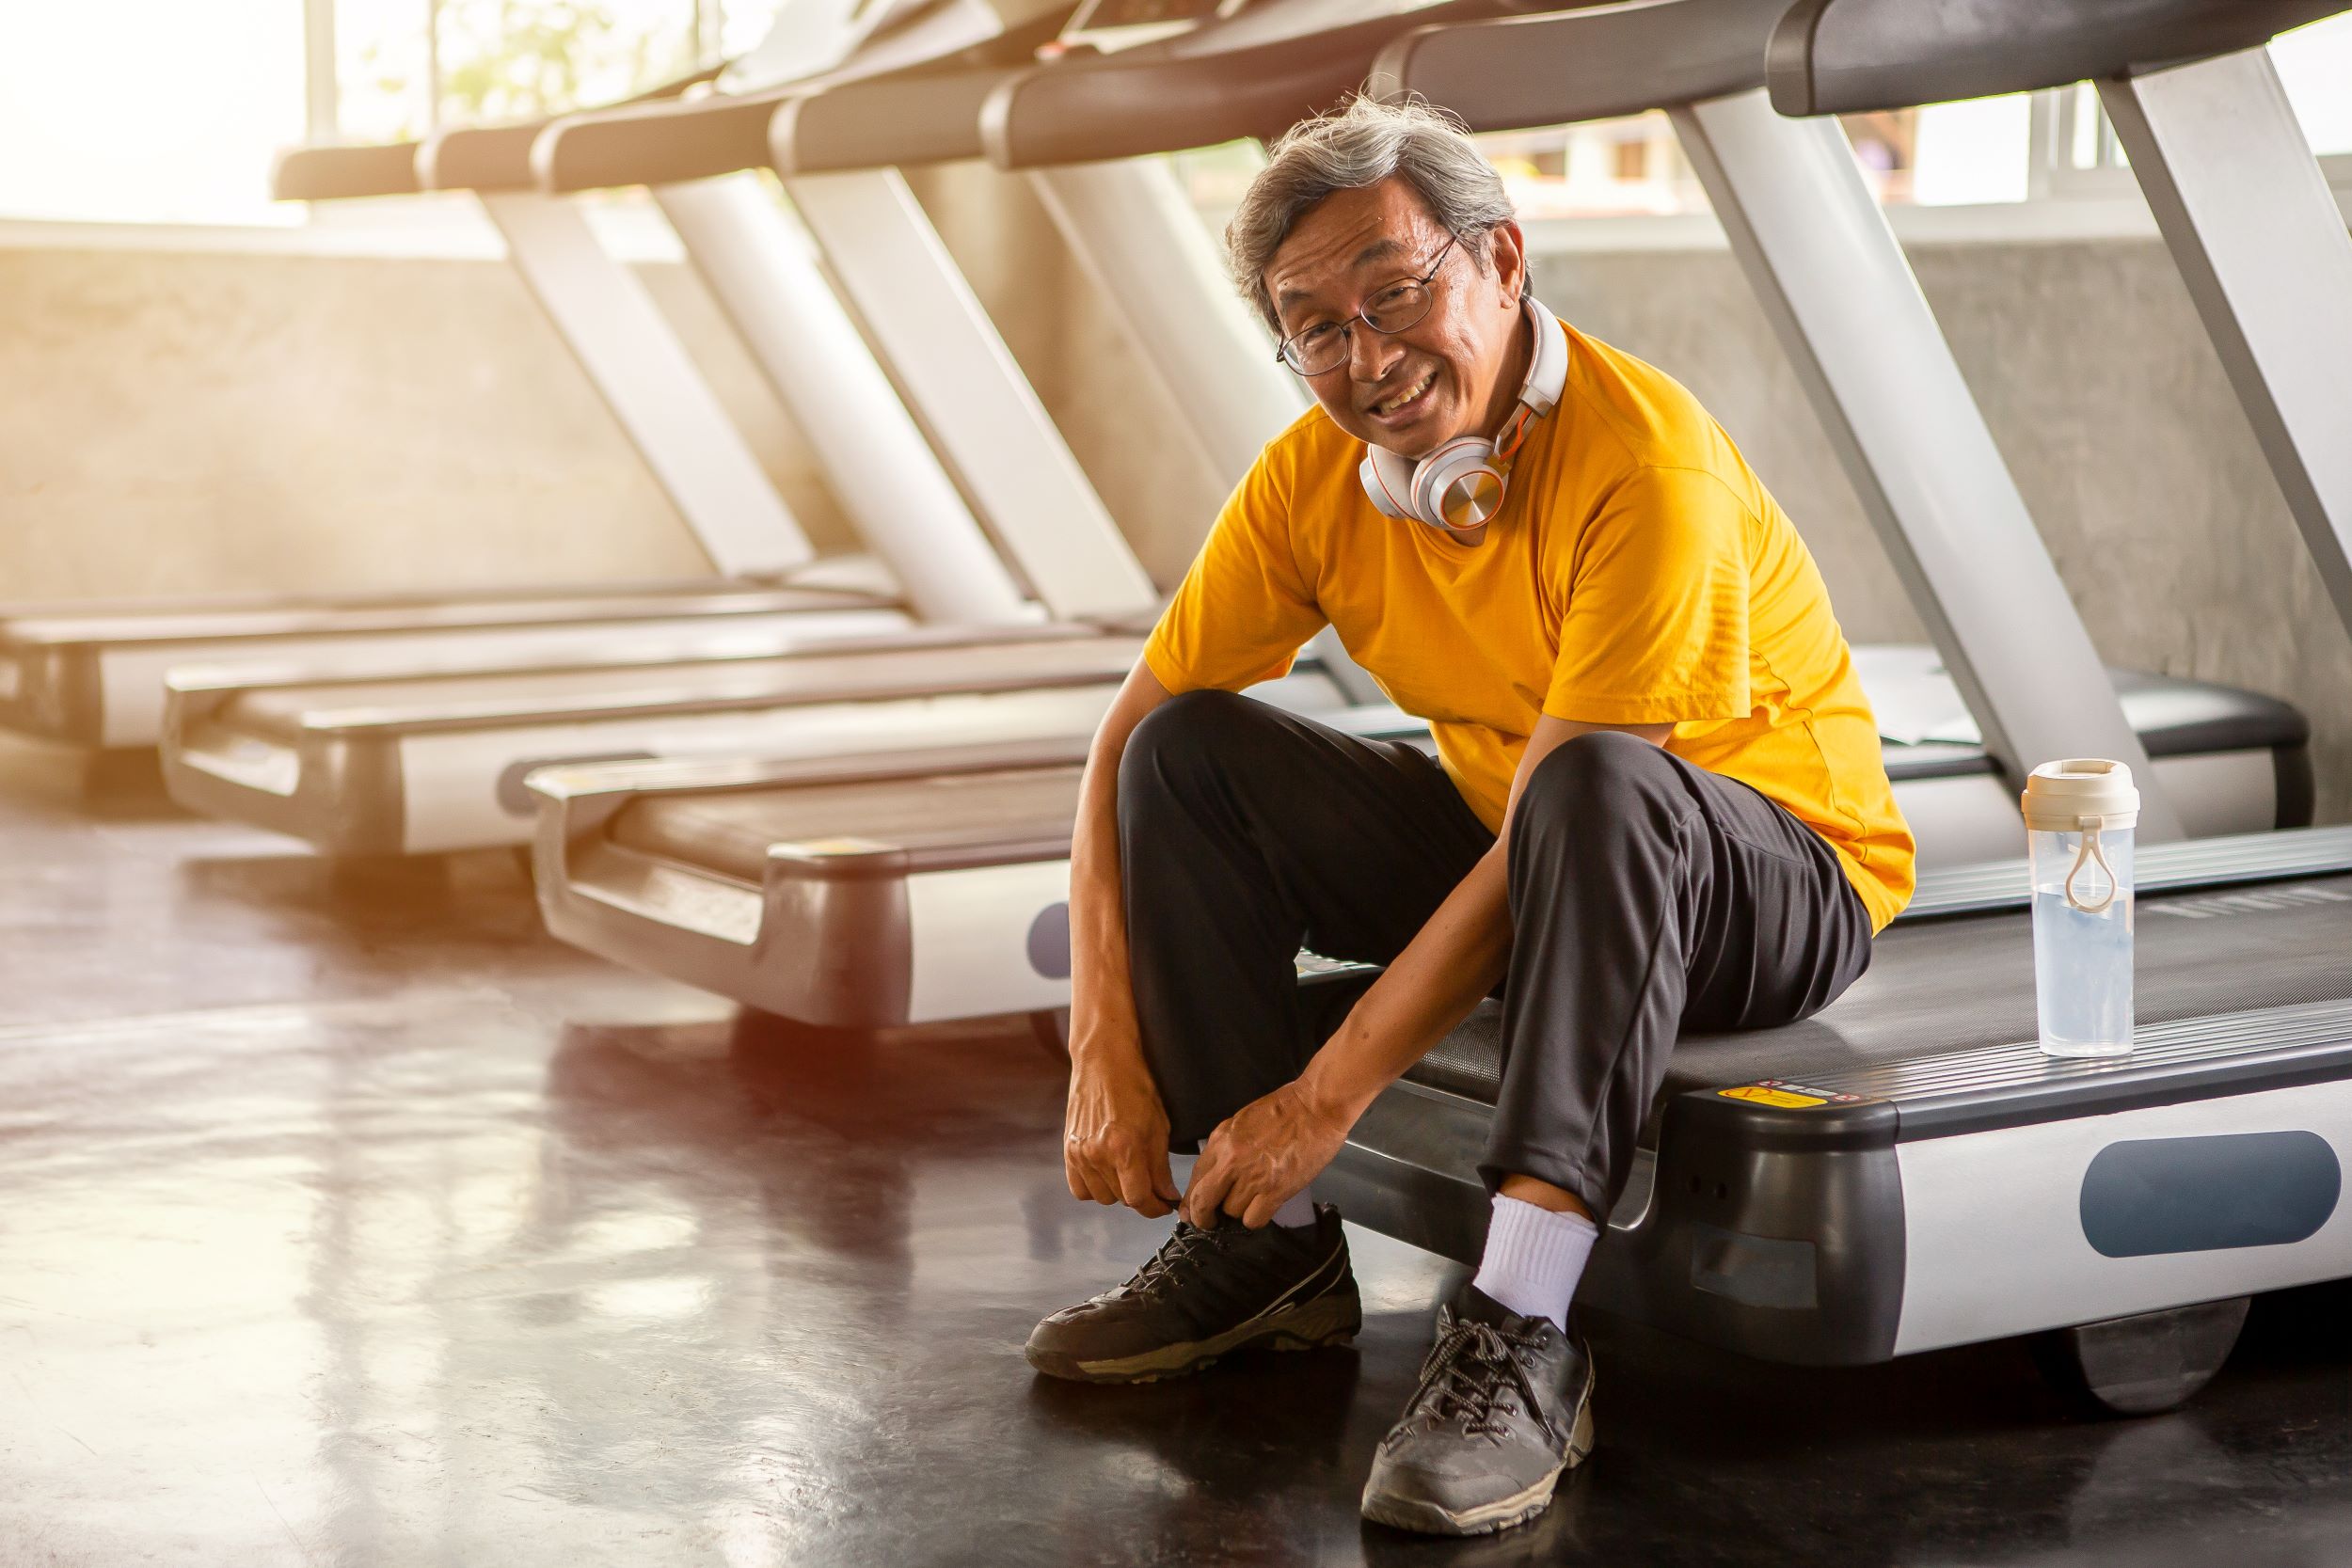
2079 815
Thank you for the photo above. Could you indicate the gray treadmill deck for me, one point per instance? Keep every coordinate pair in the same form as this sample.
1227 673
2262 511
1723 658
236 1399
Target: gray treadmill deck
1937 986
288 712
730 833
727 831
185 621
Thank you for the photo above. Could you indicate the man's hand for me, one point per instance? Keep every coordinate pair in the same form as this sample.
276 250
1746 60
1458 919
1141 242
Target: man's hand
1261 1156
1115 1137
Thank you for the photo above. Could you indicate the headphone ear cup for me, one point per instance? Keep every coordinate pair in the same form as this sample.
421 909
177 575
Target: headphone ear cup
1388 480
1464 465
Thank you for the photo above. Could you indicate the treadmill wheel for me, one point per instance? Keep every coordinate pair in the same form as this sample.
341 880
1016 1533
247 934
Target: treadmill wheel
1051 1025
2143 1364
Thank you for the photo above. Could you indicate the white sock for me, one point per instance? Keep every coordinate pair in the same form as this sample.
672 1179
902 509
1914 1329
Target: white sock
1534 1258
1298 1211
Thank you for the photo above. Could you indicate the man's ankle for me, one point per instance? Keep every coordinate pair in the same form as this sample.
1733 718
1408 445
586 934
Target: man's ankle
1534 1258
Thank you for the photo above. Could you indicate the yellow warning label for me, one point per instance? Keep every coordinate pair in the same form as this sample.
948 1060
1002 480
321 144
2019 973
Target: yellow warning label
1763 1096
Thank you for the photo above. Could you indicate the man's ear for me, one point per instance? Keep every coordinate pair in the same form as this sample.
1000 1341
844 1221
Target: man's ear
1506 250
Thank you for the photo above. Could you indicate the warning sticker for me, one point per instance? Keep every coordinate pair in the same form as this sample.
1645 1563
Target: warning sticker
1763 1095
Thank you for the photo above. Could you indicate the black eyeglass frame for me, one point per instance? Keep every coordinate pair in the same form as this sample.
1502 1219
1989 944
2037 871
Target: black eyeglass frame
1284 350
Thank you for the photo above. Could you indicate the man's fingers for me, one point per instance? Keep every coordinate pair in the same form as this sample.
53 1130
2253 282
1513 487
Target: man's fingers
1164 1177
1136 1191
1098 1186
1211 1180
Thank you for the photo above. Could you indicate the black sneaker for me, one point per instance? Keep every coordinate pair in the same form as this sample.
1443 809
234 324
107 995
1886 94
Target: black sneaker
1204 1293
1504 1409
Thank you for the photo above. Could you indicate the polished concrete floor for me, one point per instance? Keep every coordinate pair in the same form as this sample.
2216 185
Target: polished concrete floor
346 1219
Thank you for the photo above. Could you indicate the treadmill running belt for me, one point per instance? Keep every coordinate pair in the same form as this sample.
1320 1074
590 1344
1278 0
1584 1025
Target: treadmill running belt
1940 985
286 712
730 834
65 624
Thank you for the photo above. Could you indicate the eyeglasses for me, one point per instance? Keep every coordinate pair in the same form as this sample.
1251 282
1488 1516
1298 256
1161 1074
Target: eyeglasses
1324 346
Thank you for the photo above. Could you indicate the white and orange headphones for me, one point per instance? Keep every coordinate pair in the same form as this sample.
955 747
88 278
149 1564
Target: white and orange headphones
1460 487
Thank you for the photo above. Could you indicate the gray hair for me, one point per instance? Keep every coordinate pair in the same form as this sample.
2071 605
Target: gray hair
1362 143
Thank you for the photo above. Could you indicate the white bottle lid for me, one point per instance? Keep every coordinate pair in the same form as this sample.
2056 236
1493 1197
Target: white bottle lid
2060 795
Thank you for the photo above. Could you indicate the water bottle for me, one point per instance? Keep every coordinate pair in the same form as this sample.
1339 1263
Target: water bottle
2079 815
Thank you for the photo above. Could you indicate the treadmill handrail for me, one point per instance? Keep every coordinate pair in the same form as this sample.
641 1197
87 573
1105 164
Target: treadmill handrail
333 173
344 173
497 157
1593 62
1191 93
707 134
889 122
655 144
1845 56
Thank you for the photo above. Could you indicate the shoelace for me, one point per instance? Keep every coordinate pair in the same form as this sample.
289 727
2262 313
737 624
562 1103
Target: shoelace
1467 1369
1178 1255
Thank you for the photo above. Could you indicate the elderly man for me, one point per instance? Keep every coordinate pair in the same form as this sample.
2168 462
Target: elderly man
1656 803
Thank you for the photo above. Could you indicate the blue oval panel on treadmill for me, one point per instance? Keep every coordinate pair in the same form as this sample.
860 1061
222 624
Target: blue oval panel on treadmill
1049 942
2153 1196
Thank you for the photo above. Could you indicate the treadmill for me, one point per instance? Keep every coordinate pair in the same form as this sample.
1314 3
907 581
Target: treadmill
90 673
2218 151
1906 1170
429 762
729 875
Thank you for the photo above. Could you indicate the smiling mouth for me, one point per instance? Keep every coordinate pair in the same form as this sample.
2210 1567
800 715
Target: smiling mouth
1390 406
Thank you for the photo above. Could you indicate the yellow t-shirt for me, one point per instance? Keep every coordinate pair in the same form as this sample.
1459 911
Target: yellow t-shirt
1637 573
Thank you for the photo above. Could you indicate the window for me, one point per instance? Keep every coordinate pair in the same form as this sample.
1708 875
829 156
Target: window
2082 157
149 111
2316 65
168 111
404 67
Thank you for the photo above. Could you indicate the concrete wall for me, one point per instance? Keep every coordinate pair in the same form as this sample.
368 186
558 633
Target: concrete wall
177 422
2116 419
201 423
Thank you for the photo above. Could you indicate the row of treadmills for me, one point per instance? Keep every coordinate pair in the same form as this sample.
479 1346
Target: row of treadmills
842 791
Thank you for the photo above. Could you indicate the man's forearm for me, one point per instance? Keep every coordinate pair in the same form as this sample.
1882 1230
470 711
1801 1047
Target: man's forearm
1101 989
1457 958
1102 993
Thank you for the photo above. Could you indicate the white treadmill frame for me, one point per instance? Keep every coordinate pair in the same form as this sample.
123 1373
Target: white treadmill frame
1840 294
2247 213
635 362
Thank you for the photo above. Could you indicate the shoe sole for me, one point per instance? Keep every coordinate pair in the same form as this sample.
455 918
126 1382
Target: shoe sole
1428 1518
1331 1321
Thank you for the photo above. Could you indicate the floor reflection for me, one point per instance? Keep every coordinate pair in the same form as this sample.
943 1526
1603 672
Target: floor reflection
350 1220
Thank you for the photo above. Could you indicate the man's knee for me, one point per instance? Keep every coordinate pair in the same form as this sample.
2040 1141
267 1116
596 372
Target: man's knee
1181 740
1602 779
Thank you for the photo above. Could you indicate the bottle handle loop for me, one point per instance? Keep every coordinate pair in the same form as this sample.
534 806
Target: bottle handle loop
2089 851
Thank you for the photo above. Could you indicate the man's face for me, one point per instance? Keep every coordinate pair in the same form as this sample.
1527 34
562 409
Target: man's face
1447 374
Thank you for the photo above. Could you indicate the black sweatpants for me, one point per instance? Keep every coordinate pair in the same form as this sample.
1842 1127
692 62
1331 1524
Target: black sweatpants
1648 896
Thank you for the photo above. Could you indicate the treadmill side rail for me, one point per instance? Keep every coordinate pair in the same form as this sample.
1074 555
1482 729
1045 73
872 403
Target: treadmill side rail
51 691
1993 1256
832 935
1856 1216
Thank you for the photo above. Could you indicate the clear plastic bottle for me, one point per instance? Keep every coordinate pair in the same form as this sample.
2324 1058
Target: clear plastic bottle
2080 813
